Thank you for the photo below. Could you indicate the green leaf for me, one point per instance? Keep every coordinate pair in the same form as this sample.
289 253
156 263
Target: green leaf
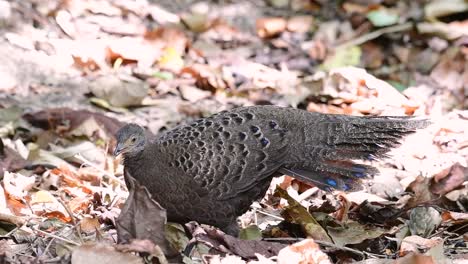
164 75
382 17
350 56
251 232
297 214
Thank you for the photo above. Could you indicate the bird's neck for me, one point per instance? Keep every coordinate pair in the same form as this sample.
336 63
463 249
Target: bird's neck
133 159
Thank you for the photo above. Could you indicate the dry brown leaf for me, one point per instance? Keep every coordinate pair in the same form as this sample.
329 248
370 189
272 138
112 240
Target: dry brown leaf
353 84
207 77
218 241
300 24
306 251
42 197
66 120
134 50
455 217
270 26
168 37
10 160
449 180
79 204
102 254
415 259
142 218
119 92
422 194
3 201
65 21
193 94
17 185
414 243
56 214
296 213
89 224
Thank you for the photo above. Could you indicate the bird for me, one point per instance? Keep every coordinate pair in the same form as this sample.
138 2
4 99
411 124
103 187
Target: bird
210 170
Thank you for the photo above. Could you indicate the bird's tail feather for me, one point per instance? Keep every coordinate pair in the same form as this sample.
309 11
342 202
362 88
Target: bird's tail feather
329 156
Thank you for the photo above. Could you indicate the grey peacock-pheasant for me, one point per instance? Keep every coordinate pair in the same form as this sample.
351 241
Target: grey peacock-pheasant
212 169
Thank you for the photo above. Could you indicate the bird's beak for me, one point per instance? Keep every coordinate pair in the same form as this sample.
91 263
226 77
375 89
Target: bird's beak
118 149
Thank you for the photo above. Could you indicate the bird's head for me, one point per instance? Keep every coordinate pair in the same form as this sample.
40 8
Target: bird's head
131 140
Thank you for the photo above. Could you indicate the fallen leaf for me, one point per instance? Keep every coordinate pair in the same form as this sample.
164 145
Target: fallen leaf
223 243
434 9
102 254
10 160
455 217
350 56
455 177
89 224
130 50
65 21
66 120
251 232
414 258
423 221
192 93
171 60
382 17
196 22
306 251
415 243
42 197
296 213
17 185
378 212
270 26
142 218
421 193
119 92
300 24
354 233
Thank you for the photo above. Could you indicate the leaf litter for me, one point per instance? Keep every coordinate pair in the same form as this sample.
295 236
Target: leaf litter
76 71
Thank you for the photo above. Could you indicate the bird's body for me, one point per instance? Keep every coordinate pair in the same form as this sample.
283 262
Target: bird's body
212 169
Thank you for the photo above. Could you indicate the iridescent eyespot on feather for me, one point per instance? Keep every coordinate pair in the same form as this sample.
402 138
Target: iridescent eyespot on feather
331 182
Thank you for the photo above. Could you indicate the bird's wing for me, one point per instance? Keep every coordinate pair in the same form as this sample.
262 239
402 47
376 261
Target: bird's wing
228 153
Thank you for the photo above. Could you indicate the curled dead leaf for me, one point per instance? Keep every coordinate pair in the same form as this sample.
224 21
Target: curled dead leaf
16 185
415 243
270 26
306 251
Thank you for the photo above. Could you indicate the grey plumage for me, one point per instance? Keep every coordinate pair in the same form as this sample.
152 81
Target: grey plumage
211 170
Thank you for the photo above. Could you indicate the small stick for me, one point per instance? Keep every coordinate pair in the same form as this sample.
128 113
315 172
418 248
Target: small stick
72 216
375 34
271 215
307 194
89 163
56 237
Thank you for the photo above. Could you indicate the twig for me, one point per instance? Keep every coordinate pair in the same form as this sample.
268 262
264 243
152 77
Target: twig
307 194
375 34
72 216
361 253
56 237
271 215
328 244
89 163
48 246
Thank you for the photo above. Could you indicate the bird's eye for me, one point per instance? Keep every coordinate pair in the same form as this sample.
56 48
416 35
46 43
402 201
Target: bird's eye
133 139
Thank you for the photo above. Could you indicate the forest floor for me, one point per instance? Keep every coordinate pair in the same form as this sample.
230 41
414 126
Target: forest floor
73 72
